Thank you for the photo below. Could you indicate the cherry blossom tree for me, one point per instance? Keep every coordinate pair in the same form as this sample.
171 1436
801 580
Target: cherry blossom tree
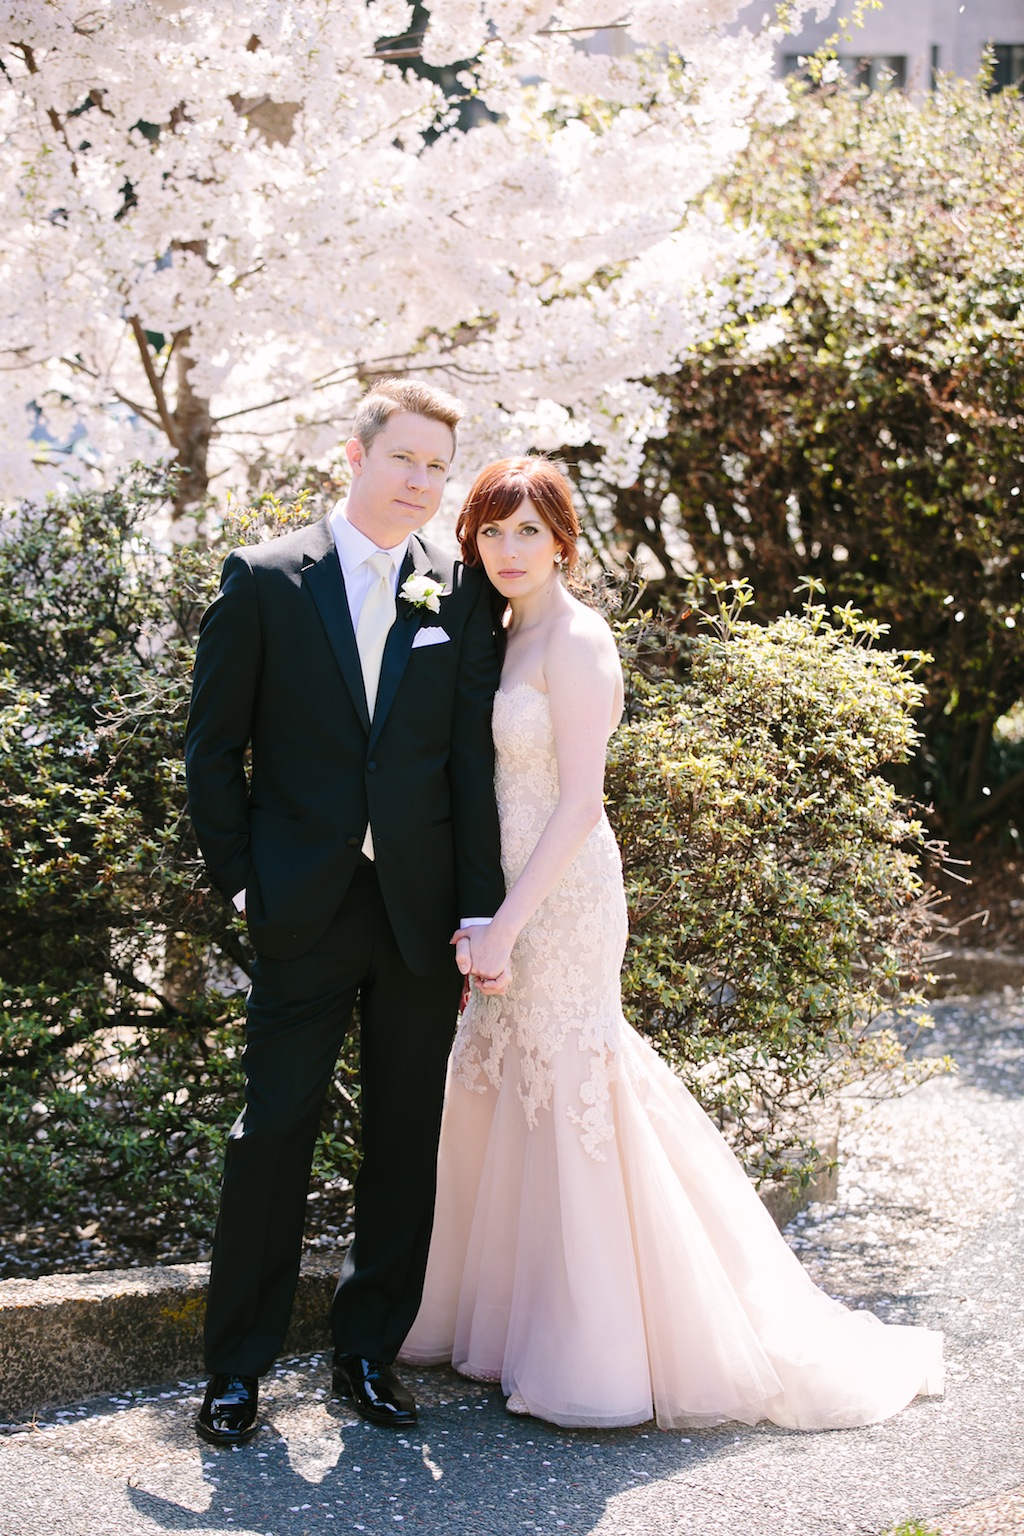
217 223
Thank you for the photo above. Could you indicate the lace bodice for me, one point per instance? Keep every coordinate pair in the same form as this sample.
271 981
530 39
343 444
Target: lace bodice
567 960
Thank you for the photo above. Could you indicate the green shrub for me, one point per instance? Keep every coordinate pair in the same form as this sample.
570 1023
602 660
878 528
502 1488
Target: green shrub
777 909
775 899
122 976
872 437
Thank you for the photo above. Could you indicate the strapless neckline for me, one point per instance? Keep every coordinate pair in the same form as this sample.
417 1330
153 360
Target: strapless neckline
507 693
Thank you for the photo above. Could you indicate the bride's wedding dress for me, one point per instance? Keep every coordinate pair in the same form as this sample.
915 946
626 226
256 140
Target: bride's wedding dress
597 1247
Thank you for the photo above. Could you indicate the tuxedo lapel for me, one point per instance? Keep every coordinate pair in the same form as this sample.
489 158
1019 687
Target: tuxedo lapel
402 633
321 574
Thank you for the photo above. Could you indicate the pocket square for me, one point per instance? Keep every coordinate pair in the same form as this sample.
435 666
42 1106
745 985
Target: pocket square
431 634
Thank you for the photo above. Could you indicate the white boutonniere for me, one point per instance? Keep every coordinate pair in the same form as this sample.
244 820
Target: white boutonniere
424 592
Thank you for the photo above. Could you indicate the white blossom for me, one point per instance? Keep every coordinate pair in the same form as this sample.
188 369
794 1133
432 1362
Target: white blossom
244 211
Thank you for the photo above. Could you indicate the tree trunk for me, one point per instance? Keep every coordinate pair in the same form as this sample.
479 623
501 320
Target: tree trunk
194 427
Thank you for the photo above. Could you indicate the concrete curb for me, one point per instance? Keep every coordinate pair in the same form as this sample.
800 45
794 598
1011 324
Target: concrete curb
64 1337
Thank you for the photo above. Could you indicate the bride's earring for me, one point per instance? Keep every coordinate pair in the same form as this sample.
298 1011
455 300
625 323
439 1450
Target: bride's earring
558 558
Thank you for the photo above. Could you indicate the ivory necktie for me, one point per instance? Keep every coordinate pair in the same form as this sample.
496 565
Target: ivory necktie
375 619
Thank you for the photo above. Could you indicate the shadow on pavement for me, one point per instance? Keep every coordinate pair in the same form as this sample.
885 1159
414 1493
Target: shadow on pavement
468 1466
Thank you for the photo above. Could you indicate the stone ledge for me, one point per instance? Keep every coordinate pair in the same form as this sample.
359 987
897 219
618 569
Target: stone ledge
783 1202
64 1337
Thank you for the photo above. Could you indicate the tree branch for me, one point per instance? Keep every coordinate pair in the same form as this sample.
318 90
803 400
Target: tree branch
337 376
599 26
133 405
53 116
155 384
170 353
322 381
992 803
413 48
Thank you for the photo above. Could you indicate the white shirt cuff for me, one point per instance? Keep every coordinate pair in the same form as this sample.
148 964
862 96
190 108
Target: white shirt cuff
238 902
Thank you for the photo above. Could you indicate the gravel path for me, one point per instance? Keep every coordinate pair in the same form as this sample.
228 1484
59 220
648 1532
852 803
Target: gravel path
929 1228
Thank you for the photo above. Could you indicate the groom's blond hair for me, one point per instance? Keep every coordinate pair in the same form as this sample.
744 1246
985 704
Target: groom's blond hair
389 396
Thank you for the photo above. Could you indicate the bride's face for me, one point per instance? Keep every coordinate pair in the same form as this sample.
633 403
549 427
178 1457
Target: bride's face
518 553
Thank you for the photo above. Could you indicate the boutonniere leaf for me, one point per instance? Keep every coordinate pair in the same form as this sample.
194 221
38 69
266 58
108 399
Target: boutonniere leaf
424 592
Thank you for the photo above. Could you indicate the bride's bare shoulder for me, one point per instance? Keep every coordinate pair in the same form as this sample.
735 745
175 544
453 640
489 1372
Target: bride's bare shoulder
581 647
588 630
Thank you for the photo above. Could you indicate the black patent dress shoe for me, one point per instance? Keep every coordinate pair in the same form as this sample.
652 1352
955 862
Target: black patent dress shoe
228 1414
375 1390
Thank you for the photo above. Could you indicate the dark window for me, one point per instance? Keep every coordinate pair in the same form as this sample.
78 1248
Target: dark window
875 70
1008 65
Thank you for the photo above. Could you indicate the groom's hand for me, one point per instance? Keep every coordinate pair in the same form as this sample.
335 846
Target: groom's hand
463 955
464 963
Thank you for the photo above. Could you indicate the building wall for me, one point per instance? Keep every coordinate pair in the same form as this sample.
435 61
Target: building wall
911 29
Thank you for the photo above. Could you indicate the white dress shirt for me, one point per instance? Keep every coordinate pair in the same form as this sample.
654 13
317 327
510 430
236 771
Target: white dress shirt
354 549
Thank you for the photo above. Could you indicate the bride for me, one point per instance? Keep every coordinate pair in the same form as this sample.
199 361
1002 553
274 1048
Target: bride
597 1248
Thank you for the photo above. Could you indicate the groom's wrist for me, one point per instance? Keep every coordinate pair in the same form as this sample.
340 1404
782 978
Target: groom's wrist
474 922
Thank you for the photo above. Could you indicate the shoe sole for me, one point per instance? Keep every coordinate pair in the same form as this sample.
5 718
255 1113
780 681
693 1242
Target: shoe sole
213 1438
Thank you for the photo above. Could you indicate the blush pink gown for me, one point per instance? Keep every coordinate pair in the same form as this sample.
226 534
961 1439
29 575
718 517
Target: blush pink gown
597 1247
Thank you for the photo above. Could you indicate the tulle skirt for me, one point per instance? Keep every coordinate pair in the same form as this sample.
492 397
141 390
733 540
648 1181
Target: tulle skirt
601 1289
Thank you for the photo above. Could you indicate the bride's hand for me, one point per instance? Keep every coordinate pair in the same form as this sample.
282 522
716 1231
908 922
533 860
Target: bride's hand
493 986
488 950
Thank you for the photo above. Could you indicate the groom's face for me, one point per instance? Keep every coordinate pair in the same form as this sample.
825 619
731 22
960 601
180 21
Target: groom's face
398 481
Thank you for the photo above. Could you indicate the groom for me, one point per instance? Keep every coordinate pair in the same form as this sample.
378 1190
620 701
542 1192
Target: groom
358 665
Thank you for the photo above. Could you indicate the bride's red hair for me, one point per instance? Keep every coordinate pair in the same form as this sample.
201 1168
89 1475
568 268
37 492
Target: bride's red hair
502 487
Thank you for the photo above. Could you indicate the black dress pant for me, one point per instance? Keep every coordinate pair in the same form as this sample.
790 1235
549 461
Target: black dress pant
299 1013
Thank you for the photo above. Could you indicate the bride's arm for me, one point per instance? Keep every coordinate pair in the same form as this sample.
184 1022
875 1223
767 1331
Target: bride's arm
584 683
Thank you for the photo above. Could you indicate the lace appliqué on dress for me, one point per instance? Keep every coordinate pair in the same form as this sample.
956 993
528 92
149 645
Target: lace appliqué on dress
567 960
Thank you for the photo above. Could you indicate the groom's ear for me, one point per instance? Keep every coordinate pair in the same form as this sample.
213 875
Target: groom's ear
355 452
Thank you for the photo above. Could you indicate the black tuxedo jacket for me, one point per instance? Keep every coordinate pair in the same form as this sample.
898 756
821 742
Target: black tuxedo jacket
277 670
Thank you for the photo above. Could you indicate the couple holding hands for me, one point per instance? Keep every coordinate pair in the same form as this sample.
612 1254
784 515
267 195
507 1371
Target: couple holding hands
540 1203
